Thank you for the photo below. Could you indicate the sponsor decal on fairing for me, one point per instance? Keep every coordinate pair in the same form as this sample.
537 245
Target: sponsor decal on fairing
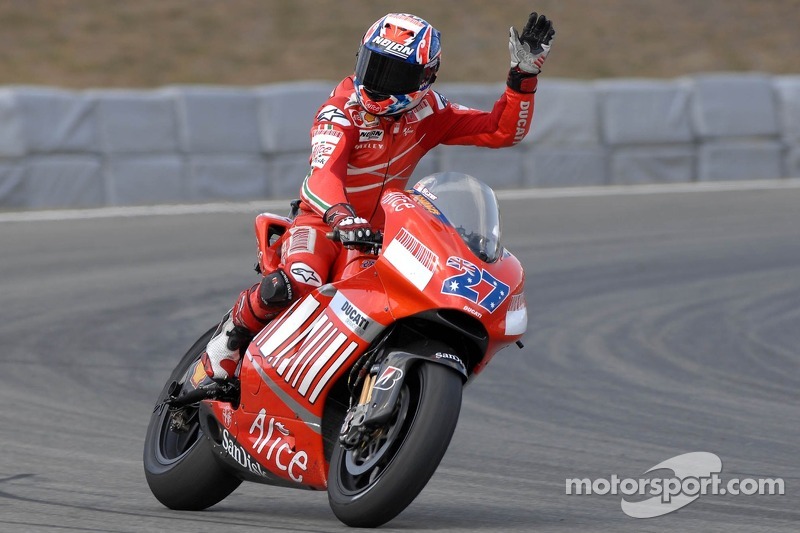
388 378
415 261
450 357
277 445
273 336
240 455
475 284
354 318
429 207
227 416
397 201
423 190
474 312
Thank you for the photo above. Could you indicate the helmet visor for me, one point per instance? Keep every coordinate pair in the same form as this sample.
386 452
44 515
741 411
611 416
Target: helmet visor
388 75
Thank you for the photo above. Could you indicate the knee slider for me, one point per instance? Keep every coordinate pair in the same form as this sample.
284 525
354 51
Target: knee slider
276 289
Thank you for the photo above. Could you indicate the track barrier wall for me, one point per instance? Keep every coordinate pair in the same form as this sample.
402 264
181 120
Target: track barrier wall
185 144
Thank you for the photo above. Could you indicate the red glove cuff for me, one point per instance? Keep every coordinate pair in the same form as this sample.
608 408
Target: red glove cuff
335 214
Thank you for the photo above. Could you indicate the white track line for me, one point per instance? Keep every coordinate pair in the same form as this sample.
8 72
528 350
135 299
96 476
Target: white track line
654 188
279 206
282 206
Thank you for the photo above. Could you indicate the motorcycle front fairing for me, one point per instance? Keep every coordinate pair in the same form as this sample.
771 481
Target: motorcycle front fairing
444 245
436 263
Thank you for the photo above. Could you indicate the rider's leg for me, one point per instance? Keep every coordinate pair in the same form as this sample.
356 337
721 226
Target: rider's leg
308 257
250 313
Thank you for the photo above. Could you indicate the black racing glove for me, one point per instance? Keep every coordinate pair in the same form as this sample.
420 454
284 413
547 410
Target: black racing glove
352 230
528 51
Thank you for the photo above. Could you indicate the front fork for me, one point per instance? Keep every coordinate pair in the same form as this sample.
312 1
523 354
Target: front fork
381 390
353 429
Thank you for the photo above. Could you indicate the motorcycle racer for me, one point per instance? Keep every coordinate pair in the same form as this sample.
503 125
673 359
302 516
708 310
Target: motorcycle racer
371 133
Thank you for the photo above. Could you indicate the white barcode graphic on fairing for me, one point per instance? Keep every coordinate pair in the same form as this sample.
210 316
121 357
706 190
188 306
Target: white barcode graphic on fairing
517 302
422 253
415 261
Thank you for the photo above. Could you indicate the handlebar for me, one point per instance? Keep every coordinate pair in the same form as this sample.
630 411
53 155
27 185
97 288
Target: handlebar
372 244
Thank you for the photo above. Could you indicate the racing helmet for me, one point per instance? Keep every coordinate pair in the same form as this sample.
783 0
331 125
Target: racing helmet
396 64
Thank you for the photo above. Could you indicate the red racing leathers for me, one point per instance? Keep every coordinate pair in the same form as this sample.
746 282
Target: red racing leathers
355 155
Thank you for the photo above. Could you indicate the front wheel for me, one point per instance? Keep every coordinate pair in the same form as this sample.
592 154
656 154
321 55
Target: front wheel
370 485
179 463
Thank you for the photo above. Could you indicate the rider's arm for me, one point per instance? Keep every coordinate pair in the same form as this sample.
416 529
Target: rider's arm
506 125
332 139
510 120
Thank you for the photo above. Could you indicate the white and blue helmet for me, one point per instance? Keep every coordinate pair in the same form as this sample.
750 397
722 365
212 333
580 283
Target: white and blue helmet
396 64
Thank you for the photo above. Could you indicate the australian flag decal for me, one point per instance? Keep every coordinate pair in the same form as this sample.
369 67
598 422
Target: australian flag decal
475 284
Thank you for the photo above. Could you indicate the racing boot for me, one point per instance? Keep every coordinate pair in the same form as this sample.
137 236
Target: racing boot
223 353
255 307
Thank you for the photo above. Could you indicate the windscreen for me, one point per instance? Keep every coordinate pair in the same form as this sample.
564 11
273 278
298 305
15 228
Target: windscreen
471 208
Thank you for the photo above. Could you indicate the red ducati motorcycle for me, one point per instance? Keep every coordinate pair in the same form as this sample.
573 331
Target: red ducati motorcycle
356 388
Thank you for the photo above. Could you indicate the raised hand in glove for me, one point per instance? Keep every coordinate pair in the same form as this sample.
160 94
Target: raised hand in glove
529 50
352 229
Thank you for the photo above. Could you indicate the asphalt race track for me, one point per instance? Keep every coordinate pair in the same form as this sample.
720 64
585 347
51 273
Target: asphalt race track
659 325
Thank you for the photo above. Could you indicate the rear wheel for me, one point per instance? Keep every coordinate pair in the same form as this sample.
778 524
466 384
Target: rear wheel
179 463
370 485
